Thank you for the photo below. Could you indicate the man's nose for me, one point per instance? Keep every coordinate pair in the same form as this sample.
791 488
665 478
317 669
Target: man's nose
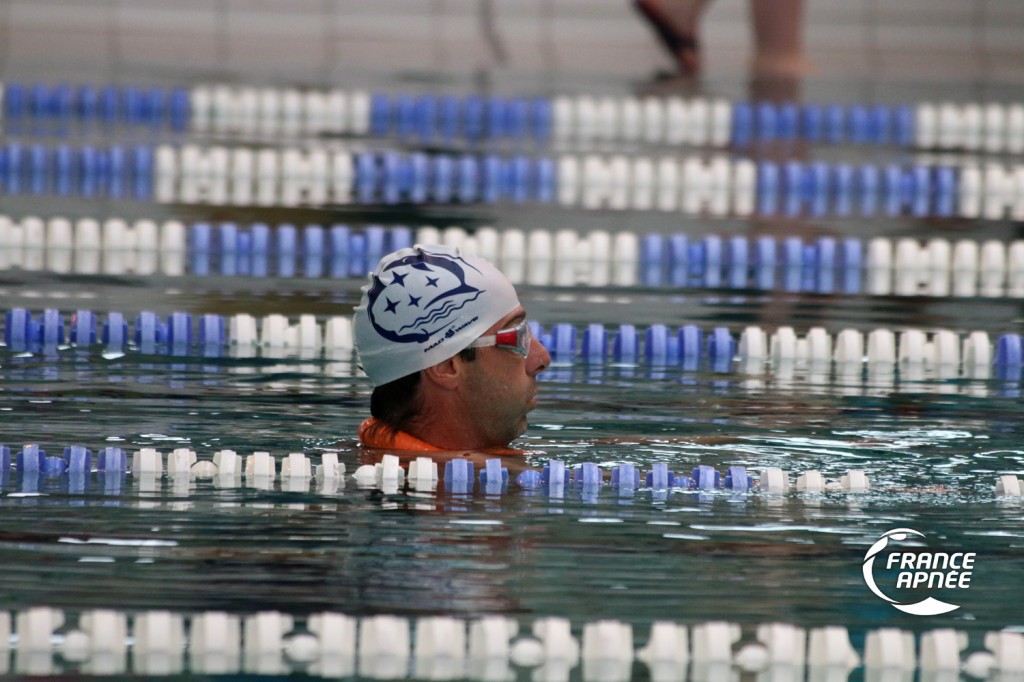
539 359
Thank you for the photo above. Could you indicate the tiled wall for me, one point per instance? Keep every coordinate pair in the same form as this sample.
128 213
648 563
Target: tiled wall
974 43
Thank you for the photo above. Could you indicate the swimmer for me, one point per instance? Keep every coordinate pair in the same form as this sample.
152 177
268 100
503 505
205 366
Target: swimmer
444 340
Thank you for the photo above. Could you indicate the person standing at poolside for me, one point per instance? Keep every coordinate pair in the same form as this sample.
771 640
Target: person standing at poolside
777 28
444 340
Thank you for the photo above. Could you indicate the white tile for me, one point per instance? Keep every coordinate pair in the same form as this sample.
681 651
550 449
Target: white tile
297 17
198 51
831 13
184 17
935 65
34 48
927 12
928 39
834 38
57 14
602 59
1006 38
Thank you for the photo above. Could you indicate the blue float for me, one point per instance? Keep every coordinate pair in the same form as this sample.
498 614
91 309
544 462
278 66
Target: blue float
542 122
405 117
594 349
652 259
115 332
767 121
625 347
705 478
87 103
812 123
493 472
496 118
111 459
721 350
946 191
660 478
50 331
493 176
287 248
529 479
473 126
868 190
313 251
521 180
690 339
767 188
625 477
449 118
442 188
391 177
468 179
31 459
79 459
555 473
83 328
212 332
149 331
835 124
38 170
737 480
546 183
366 177
859 125
788 121
380 114
587 475
742 124
458 476
226 247
18 332
54 466
904 122
259 246
518 119
1009 358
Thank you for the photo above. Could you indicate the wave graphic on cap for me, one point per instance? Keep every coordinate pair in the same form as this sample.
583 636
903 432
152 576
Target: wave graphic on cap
421 297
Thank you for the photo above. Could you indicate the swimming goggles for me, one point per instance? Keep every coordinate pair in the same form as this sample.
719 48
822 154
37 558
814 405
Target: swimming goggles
516 339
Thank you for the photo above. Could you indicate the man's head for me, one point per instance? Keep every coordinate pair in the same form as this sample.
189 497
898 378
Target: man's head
439 335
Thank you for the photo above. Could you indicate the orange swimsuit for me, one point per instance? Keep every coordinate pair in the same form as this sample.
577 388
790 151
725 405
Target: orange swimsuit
378 436
374 434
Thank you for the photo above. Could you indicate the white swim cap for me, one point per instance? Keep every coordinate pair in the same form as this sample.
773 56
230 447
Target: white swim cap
423 305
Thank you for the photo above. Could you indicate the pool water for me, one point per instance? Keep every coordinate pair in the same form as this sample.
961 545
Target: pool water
932 449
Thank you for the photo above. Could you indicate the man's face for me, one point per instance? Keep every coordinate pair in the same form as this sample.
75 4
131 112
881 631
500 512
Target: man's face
501 385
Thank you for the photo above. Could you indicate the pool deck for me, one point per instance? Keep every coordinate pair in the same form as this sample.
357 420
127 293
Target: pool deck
883 49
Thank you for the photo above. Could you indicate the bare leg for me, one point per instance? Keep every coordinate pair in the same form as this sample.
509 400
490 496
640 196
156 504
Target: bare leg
778 38
676 23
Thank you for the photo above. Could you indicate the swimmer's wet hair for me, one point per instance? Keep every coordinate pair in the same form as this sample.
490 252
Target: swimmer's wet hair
396 403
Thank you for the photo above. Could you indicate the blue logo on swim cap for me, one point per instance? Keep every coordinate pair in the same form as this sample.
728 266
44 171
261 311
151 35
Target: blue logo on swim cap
419 295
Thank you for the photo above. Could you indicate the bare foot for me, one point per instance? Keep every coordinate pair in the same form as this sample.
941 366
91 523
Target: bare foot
676 22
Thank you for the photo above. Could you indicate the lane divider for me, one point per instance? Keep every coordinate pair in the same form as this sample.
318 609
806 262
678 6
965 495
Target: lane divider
912 353
33 470
331 644
719 186
991 127
693 185
880 266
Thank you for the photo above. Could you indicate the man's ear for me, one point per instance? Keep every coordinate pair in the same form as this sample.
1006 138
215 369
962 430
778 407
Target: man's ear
445 374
